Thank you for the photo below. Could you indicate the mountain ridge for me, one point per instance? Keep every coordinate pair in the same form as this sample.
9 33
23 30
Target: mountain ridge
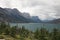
14 15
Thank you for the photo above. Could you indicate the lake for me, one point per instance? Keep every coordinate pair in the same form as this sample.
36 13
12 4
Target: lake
34 26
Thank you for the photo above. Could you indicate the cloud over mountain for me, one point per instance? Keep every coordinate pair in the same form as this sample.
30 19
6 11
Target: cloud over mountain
45 9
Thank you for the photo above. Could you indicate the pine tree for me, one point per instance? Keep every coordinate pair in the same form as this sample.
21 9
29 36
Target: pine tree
55 34
24 32
43 34
7 29
36 34
13 31
2 27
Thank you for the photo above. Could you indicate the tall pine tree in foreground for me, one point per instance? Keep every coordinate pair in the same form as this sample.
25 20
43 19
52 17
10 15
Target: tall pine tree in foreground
55 34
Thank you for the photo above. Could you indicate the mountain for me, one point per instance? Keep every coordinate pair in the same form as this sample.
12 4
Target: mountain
14 15
55 21
26 15
36 19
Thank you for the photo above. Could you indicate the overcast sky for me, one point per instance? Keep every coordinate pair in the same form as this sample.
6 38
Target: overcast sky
45 9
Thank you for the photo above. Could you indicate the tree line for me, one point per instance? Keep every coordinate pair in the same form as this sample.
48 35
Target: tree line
38 34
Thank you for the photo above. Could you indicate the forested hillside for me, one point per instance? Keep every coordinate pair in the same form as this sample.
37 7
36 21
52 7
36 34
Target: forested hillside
16 33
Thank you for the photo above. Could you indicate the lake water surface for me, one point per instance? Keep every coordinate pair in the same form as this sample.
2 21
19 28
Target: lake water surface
34 26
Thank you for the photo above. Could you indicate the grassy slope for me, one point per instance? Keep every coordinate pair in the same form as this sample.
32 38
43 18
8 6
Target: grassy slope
7 37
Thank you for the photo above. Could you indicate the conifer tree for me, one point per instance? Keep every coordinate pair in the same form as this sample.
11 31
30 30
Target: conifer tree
55 34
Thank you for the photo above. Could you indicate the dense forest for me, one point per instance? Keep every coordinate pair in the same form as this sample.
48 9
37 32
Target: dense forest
15 33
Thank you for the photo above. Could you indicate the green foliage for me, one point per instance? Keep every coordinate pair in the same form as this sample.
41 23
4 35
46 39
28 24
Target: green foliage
41 34
22 33
7 31
2 27
36 34
55 34
13 31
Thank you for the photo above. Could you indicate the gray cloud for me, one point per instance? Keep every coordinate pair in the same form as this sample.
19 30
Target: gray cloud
45 9
57 8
